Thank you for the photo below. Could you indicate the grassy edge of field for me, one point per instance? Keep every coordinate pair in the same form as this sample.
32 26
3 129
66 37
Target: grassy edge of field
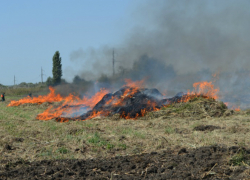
24 137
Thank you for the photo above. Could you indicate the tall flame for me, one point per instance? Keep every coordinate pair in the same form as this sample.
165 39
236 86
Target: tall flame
206 89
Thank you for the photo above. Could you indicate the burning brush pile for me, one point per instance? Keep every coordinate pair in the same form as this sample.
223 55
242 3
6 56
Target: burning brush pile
130 102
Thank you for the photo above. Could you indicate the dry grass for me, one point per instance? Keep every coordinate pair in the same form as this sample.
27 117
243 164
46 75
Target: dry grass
24 91
24 137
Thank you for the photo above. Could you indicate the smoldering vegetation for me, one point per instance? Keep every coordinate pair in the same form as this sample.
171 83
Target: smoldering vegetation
172 45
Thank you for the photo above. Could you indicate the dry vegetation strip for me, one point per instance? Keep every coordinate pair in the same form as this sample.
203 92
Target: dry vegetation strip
24 91
24 137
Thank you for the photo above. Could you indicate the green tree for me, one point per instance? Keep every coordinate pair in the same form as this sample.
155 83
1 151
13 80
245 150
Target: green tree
49 81
57 68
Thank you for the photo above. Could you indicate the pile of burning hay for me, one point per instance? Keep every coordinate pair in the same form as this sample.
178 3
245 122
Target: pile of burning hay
198 107
131 102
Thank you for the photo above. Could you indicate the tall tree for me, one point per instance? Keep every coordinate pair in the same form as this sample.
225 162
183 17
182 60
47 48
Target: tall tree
57 68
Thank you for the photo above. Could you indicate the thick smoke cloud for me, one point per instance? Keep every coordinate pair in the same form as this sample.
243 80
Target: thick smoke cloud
176 43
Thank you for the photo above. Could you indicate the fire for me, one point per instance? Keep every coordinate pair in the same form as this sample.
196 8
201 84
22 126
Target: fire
51 97
66 110
128 93
232 106
204 89
132 88
237 109
134 84
75 108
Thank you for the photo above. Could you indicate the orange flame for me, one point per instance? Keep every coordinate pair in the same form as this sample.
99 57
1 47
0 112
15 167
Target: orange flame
204 89
51 97
134 84
226 103
233 107
65 109
237 109
133 88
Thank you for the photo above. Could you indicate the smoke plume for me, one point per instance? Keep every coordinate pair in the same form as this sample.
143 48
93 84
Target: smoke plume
177 43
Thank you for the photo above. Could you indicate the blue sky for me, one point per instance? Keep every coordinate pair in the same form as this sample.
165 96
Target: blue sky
31 31
189 35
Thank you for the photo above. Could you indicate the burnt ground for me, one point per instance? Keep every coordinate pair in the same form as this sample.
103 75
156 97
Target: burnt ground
213 162
206 128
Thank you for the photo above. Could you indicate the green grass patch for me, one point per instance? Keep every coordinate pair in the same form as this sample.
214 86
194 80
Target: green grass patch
53 127
123 146
241 158
140 135
97 140
46 152
110 146
89 125
69 137
164 108
169 130
63 150
128 131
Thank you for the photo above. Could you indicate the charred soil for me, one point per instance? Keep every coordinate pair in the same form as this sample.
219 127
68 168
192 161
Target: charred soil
210 162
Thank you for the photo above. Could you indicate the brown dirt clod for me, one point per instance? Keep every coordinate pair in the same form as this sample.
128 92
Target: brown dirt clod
206 128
